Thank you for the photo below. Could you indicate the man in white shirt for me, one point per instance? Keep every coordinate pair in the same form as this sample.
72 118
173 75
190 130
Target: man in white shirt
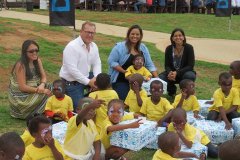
80 56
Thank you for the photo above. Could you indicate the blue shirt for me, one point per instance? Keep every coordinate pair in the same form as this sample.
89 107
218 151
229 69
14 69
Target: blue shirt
119 56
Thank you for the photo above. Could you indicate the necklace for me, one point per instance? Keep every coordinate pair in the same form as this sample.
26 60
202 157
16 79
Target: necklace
178 52
177 57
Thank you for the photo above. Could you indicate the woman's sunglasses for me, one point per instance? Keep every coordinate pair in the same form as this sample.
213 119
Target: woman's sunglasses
33 50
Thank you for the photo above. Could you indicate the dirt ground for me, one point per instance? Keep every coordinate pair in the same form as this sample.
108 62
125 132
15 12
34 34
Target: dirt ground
12 39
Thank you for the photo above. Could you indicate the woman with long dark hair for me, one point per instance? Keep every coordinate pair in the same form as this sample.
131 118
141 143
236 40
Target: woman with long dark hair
179 61
121 58
28 90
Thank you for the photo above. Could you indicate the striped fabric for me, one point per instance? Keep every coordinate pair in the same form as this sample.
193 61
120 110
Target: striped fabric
23 104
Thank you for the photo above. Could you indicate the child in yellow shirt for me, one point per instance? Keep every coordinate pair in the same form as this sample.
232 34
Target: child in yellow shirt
138 67
169 145
26 136
59 106
187 100
82 140
136 94
105 93
44 146
229 150
11 146
157 108
226 101
189 134
110 124
235 72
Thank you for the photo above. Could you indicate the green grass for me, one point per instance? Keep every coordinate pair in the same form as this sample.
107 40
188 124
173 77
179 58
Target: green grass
51 55
195 25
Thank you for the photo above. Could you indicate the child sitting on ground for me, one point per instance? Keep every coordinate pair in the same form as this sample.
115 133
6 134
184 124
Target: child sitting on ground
44 146
11 146
235 72
138 67
111 124
59 106
82 140
136 94
189 134
169 145
157 108
105 93
26 136
187 100
226 101
229 150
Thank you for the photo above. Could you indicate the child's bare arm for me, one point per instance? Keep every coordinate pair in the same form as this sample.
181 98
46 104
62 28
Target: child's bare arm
167 116
120 127
184 95
95 104
185 141
181 154
233 108
136 90
97 148
139 99
228 125
51 144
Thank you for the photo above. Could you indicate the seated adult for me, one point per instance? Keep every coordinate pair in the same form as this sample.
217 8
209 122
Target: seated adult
179 61
80 56
121 57
28 91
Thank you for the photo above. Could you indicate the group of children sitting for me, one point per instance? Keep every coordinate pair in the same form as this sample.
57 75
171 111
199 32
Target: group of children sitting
97 116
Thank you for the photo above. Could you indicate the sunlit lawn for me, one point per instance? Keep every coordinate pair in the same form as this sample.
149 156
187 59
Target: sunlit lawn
51 54
195 25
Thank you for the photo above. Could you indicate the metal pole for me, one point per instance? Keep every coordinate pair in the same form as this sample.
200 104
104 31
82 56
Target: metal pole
75 35
175 7
230 23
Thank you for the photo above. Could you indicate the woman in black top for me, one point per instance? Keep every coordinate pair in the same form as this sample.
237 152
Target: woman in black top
179 61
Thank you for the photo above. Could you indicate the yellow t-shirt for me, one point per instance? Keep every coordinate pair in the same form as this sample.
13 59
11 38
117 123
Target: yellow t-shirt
131 100
190 104
105 136
101 112
236 84
143 71
225 102
27 138
192 134
44 153
160 155
81 135
155 112
63 106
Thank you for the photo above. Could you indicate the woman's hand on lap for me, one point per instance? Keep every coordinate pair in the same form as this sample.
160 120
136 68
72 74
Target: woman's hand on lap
40 88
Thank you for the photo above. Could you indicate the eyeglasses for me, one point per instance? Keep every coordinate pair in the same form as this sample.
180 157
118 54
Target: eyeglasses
33 50
90 33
